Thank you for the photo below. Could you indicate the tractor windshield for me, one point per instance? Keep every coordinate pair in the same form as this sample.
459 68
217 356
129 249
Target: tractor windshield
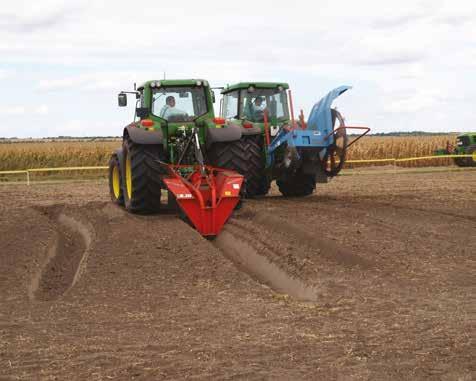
253 104
179 104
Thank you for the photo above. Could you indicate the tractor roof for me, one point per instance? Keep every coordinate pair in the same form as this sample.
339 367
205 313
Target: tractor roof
258 85
174 82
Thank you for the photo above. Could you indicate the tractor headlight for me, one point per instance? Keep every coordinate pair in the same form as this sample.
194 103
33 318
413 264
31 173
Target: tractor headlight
251 89
280 88
205 83
199 83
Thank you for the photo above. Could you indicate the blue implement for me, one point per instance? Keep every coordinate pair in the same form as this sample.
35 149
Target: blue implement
318 133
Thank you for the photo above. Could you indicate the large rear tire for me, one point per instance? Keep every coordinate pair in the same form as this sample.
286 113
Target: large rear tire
115 181
297 185
245 157
142 179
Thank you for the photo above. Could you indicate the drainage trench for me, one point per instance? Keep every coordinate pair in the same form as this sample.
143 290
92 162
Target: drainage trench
65 259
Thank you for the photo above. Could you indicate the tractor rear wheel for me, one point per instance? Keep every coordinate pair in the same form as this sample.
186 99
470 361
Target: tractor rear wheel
245 157
115 181
471 150
297 185
142 176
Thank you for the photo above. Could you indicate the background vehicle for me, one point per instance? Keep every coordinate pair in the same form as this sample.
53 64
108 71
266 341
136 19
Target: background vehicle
465 145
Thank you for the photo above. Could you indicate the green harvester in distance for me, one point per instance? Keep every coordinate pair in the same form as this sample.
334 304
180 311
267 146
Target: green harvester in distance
465 145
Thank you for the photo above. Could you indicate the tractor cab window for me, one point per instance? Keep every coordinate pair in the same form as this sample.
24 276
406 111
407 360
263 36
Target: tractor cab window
179 104
254 104
230 105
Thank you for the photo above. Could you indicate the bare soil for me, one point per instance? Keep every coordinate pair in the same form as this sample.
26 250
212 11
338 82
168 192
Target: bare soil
370 278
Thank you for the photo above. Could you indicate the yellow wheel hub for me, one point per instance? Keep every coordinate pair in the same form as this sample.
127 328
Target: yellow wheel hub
128 176
116 185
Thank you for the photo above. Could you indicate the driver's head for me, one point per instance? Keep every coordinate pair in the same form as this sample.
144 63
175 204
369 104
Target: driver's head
258 101
170 100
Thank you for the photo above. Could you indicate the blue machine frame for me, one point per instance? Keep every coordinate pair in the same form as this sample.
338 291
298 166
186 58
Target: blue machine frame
318 133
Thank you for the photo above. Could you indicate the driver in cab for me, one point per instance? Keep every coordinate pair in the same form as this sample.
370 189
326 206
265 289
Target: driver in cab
256 111
169 109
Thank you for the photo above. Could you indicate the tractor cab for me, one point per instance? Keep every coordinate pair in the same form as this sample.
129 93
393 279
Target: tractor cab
247 103
172 109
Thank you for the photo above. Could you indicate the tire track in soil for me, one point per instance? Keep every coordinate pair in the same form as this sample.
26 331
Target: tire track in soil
66 258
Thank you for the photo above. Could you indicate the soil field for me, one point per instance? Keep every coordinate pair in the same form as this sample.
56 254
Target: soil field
371 278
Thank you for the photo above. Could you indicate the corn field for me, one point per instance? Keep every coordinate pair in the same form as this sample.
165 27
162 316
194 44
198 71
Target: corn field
21 155
399 147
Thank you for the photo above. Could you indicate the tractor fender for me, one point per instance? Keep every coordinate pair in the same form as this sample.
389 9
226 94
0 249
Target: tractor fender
221 135
251 131
141 136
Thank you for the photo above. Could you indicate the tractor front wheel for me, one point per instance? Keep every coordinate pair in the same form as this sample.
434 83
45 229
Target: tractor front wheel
142 176
115 181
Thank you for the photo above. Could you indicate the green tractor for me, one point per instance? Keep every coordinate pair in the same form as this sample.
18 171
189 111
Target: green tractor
173 136
274 146
465 145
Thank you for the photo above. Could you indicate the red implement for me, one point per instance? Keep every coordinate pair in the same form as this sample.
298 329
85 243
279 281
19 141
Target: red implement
207 196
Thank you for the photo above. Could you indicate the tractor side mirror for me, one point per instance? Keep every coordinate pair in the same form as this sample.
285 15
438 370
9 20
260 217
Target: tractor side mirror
213 96
122 99
142 112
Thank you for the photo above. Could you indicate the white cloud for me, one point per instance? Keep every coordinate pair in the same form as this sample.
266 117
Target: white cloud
23 110
403 58
42 110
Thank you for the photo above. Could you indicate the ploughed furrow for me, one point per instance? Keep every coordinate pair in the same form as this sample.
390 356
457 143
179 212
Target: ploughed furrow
258 259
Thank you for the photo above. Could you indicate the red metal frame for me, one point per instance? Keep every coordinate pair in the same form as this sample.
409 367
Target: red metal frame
350 128
207 196
266 127
291 108
301 118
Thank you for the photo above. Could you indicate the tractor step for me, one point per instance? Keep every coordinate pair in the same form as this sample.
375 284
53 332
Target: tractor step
207 196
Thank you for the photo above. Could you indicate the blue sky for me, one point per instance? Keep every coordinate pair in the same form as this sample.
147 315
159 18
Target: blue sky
411 64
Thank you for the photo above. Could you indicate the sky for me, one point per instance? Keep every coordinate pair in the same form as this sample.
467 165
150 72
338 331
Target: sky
412 64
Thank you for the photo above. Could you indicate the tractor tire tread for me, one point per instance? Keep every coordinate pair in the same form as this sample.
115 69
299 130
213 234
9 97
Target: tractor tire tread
146 177
244 156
